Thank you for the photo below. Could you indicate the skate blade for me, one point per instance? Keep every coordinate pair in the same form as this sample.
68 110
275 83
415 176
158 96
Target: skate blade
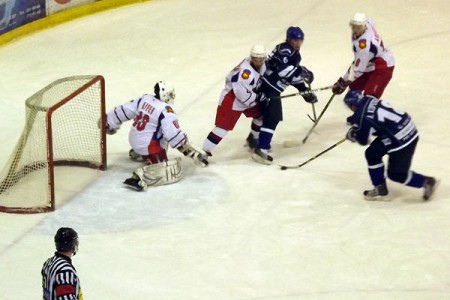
260 160
378 198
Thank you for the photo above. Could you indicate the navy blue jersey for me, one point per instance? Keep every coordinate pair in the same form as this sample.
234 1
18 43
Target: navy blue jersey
282 65
394 127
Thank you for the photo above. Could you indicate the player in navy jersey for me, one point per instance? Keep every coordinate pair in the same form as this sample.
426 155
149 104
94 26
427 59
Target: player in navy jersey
59 278
396 137
283 69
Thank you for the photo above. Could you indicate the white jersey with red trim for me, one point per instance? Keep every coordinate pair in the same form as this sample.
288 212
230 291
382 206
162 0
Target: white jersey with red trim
153 119
370 53
241 82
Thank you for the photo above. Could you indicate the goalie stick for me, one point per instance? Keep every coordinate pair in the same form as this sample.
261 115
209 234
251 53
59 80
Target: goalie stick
282 167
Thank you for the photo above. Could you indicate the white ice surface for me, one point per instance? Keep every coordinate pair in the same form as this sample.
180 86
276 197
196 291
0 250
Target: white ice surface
238 230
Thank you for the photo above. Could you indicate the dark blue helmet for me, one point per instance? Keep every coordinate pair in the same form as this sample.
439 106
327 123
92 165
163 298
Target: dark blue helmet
66 239
294 33
353 97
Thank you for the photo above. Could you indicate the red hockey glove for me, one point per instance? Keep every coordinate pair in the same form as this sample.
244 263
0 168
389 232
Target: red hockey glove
340 86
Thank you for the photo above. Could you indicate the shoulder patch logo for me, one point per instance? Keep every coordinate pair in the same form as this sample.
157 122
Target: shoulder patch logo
246 74
362 43
169 109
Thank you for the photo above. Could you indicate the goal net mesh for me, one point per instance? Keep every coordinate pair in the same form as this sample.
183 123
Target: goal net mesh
61 129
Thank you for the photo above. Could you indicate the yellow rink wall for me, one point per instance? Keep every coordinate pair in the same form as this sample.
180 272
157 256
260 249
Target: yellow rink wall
62 17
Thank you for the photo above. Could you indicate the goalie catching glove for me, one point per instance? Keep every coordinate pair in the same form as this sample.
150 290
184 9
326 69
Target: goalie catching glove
191 152
109 130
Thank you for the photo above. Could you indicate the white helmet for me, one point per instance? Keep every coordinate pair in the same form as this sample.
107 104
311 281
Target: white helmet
164 91
258 51
358 19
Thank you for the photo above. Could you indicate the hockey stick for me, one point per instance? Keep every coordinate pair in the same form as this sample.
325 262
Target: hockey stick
314 114
312 158
314 110
307 92
318 119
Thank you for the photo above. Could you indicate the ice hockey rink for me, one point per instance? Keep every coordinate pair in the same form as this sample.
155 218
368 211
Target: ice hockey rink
238 230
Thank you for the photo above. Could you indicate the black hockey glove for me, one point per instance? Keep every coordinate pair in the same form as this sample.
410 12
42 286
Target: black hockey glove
351 134
310 98
307 75
350 120
261 98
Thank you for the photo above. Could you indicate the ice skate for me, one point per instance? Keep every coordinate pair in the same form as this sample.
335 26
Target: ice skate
134 183
134 156
429 186
202 158
261 156
378 193
252 143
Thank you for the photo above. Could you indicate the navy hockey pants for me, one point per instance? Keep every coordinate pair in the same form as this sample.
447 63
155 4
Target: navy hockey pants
399 162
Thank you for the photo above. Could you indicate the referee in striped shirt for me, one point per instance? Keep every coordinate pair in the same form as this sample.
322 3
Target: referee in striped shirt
59 277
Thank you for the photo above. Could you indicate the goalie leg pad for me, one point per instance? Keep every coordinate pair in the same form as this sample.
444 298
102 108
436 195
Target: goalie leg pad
161 173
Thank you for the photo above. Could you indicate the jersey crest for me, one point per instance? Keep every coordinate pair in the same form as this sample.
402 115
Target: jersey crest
169 109
362 43
246 74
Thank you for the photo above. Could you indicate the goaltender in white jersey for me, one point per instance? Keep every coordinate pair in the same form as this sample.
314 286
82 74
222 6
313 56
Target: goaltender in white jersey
155 126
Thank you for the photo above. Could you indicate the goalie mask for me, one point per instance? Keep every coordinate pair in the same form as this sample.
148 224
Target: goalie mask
165 91
66 239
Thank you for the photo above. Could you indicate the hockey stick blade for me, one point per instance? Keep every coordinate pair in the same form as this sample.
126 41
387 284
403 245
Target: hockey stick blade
314 113
282 167
314 121
318 119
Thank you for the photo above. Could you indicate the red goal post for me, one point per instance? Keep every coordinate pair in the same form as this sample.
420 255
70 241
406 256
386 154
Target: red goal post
64 126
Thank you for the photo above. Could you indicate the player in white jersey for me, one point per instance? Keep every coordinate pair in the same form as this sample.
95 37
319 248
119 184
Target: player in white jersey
373 64
59 278
237 98
155 126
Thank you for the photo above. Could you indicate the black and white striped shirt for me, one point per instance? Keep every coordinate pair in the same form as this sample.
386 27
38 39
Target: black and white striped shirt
59 279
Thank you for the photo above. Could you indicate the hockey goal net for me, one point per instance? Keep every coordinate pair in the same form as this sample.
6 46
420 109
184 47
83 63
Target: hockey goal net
61 129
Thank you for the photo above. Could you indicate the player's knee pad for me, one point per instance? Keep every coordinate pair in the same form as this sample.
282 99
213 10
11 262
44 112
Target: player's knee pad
397 176
161 173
